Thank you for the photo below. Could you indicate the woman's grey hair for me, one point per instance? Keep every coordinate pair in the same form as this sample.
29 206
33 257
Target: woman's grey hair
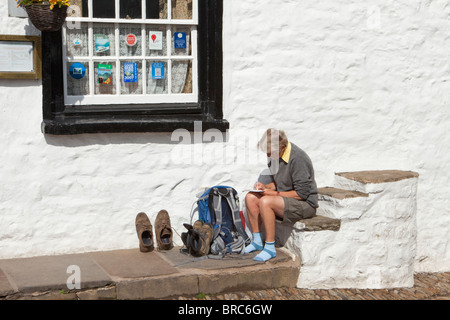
272 141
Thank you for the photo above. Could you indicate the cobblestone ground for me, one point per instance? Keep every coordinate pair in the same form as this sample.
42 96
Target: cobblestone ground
427 286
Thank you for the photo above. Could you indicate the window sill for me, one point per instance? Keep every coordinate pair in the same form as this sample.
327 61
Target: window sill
80 125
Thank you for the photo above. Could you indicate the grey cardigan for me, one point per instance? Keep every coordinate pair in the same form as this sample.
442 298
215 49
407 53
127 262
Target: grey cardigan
297 174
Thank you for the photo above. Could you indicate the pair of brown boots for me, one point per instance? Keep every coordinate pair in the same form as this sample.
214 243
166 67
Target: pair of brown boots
163 231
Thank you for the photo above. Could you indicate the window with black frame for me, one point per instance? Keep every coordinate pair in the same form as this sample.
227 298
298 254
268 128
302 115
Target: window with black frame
135 65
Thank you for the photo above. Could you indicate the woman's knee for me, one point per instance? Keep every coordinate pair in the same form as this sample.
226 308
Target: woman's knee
252 203
251 198
270 202
265 202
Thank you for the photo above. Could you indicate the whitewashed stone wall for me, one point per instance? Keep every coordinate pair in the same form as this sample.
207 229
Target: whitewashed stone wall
376 244
359 85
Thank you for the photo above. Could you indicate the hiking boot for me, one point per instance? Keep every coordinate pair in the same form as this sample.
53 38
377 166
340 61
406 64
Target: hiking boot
144 232
198 224
185 235
208 232
200 238
163 230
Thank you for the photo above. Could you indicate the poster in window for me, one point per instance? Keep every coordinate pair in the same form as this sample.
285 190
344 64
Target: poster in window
104 74
156 40
180 40
77 70
158 70
101 43
131 40
130 72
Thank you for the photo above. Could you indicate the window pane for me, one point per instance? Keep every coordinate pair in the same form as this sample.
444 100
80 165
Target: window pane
104 39
181 77
77 42
156 41
181 9
130 9
77 78
156 9
105 74
130 37
181 41
83 6
76 8
157 77
131 77
104 8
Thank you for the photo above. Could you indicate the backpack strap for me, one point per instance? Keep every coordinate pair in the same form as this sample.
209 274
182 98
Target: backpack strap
194 209
236 215
217 205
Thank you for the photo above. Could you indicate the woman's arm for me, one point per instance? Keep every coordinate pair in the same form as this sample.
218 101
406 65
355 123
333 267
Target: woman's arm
269 190
260 186
287 194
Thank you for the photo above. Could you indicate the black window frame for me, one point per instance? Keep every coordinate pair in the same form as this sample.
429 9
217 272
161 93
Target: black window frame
57 120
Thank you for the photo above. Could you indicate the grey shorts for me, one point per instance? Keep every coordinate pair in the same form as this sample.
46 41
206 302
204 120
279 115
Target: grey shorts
295 210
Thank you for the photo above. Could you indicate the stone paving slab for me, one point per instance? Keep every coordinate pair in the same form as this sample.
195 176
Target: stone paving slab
180 259
132 263
5 286
131 274
206 274
51 272
158 287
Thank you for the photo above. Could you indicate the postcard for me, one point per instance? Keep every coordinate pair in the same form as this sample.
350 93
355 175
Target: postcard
104 74
158 70
101 43
130 72
155 40
180 40
77 70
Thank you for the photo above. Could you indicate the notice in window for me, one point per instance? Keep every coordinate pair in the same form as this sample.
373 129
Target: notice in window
180 40
130 72
104 74
77 70
16 56
156 40
101 43
158 70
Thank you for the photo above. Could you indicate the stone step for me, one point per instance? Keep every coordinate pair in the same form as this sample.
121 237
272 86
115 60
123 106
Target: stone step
378 176
131 274
318 223
372 181
375 244
341 193
337 203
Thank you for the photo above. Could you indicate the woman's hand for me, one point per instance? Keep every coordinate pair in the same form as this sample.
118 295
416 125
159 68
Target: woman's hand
269 192
259 186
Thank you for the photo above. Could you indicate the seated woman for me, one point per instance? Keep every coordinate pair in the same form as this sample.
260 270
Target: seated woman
291 196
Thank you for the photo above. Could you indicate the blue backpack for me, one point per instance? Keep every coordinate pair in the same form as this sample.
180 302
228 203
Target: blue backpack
219 206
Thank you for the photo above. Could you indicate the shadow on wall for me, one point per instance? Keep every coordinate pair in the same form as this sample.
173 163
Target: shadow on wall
179 136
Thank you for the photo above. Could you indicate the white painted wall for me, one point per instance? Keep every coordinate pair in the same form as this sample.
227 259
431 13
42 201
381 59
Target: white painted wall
359 85
375 246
